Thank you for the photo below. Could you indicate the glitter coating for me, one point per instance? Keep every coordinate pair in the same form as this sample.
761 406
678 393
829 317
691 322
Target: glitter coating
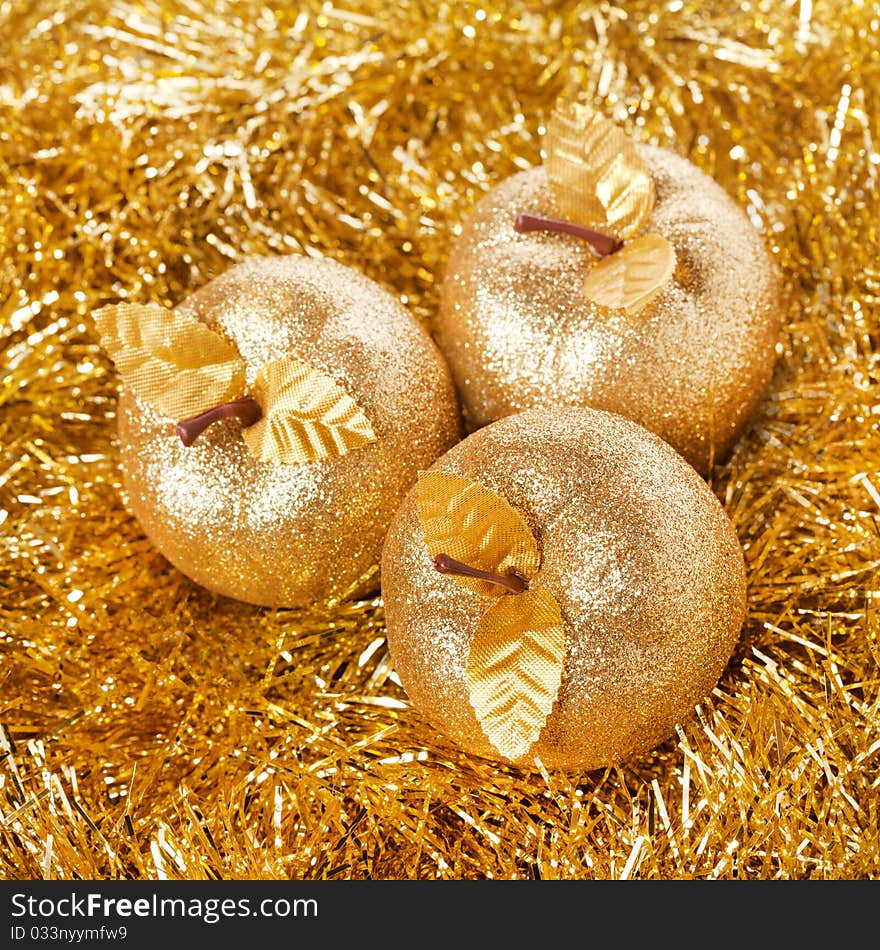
151 730
638 552
291 535
692 365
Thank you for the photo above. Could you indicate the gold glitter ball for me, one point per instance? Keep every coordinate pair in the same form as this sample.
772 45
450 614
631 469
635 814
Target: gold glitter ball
638 553
295 534
692 365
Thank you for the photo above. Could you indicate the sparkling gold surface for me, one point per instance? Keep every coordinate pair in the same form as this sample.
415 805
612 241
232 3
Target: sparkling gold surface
293 535
152 730
636 550
691 365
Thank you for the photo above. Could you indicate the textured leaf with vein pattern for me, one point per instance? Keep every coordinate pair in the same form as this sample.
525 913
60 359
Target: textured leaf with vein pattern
475 525
307 416
514 668
630 277
596 173
176 364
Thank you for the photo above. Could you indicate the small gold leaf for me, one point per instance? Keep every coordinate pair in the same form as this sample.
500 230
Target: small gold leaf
597 176
630 277
307 416
477 526
514 669
176 364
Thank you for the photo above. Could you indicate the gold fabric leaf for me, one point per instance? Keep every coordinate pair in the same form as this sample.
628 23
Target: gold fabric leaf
176 364
477 526
630 277
514 669
307 416
597 176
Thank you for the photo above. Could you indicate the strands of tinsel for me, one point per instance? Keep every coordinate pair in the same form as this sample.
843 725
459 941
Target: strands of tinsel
149 730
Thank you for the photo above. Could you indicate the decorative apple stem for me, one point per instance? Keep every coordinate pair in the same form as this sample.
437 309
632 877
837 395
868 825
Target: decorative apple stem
602 244
515 583
247 410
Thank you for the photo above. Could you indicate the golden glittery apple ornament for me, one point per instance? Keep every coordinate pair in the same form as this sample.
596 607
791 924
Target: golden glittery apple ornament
618 276
271 423
561 586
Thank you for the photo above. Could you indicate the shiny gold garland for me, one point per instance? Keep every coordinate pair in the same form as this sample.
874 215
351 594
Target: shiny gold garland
149 730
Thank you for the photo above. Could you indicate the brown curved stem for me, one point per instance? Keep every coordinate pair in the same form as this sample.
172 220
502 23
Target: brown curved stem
602 244
513 582
247 410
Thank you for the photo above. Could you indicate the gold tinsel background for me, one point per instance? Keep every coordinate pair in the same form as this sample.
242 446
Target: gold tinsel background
150 730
